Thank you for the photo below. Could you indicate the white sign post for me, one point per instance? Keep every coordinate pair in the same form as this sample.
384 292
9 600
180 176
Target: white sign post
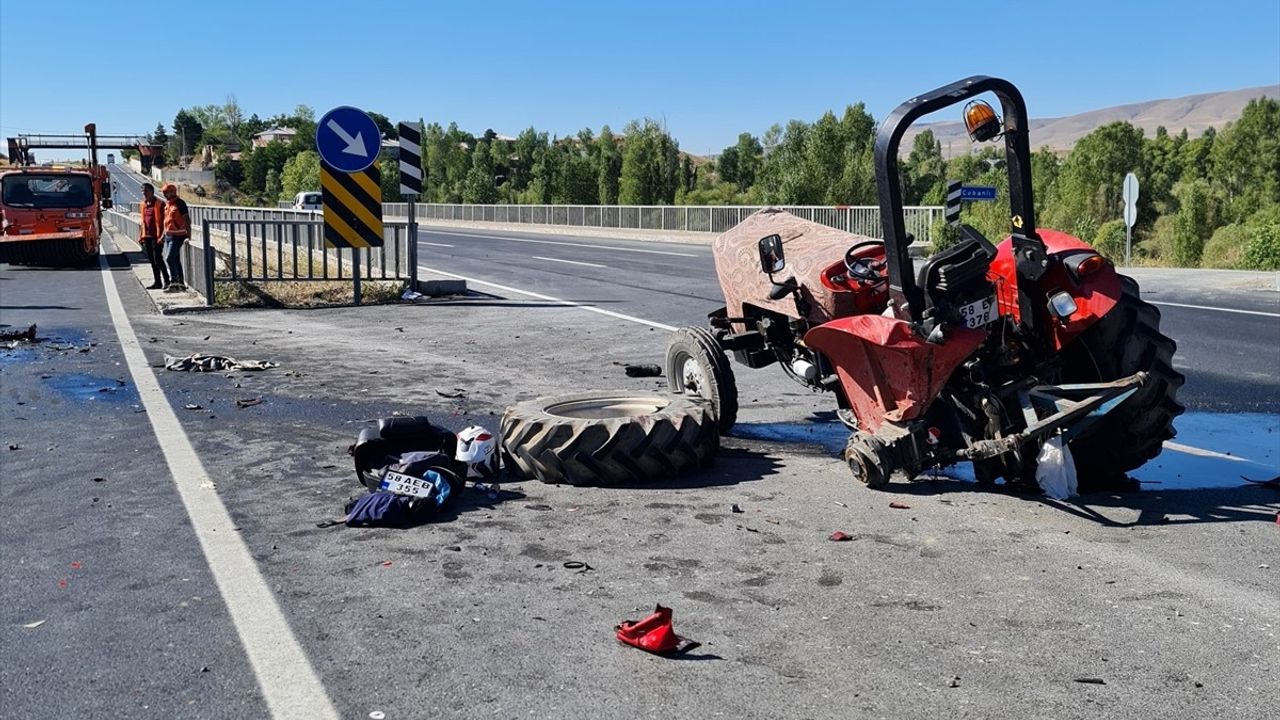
1130 212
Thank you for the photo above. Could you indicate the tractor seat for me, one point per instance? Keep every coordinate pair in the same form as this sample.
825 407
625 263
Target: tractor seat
957 269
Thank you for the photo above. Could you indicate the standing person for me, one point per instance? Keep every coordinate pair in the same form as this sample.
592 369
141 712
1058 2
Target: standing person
151 231
177 228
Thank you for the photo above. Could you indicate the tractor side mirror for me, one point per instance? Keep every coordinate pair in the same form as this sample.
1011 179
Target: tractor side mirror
772 259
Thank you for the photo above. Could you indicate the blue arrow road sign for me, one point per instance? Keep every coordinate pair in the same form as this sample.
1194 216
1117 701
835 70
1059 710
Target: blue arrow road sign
977 192
348 139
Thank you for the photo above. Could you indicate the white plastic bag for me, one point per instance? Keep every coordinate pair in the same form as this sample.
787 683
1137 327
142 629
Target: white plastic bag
1056 470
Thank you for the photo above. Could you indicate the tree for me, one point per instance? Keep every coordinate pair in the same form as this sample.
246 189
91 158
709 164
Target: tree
159 137
187 133
1245 158
1194 223
749 155
301 173
609 172
389 180
924 168
479 187
727 164
272 188
650 166
385 126
1089 185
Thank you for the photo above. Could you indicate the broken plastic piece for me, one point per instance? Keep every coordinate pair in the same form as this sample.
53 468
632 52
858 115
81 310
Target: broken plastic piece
899 505
654 634
839 536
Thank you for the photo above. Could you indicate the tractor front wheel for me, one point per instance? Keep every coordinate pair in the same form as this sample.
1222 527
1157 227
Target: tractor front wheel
868 460
697 366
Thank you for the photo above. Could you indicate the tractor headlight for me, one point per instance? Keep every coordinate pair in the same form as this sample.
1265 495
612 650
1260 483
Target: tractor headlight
1062 305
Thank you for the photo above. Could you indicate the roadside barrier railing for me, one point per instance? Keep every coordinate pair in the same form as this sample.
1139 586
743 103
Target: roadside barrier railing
245 247
858 219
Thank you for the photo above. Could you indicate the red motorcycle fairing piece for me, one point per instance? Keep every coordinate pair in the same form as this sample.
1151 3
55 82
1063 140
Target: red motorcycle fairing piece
888 371
1095 296
655 634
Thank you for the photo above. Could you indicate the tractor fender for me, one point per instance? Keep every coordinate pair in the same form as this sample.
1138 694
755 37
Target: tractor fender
1095 294
889 372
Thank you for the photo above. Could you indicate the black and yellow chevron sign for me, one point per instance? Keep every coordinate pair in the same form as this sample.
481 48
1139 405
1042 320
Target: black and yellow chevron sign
352 207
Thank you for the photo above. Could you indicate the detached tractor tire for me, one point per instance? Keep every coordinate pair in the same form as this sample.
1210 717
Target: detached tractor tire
1127 340
608 438
698 367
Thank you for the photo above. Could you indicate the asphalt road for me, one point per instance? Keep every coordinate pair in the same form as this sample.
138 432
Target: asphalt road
966 604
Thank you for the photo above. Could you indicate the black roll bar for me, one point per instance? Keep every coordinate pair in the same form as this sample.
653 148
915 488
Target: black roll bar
905 295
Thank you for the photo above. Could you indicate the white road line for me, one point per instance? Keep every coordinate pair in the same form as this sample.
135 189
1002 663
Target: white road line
1201 452
571 262
424 242
593 246
1219 309
288 682
548 298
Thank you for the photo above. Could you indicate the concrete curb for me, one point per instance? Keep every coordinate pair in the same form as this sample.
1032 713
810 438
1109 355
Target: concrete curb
164 303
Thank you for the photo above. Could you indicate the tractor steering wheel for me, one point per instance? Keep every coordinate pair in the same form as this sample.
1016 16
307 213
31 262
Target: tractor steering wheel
870 271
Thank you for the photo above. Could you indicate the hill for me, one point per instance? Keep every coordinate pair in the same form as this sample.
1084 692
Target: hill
1195 113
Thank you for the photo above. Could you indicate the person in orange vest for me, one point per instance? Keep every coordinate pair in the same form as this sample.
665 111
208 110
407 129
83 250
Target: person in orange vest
177 229
150 231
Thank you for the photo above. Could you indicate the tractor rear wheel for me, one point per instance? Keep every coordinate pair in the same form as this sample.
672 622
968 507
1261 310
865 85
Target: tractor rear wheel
608 438
698 367
1127 340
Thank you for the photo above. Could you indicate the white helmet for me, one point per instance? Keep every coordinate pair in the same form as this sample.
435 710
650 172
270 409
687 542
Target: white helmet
478 448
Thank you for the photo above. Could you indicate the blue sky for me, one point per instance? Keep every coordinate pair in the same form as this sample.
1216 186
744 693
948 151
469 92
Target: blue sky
709 69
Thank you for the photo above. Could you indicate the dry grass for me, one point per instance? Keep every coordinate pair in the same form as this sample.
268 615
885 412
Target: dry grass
305 293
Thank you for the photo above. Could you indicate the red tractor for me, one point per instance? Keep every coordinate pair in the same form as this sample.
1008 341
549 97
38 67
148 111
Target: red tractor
982 354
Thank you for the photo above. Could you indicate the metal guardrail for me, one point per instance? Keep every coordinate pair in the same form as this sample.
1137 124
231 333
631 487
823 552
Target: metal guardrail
858 219
233 245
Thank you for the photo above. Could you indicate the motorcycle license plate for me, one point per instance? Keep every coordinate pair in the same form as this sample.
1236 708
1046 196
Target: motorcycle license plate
406 484
979 313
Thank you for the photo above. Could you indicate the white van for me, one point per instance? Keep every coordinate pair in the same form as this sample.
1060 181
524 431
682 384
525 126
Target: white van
307 201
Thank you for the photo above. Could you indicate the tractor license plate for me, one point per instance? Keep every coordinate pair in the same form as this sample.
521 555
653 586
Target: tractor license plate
406 484
979 313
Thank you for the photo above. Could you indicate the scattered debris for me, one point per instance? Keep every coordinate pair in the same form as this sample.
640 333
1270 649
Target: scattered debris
15 447
655 634
773 521
736 508
214 363
28 335
38 623
99 479
578 565
248 402
453 548
899 505
409 295
641 369
954 682
193 406
1091 681
452 394
840 503
839 536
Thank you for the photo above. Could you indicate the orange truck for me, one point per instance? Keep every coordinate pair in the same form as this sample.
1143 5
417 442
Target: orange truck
52 215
